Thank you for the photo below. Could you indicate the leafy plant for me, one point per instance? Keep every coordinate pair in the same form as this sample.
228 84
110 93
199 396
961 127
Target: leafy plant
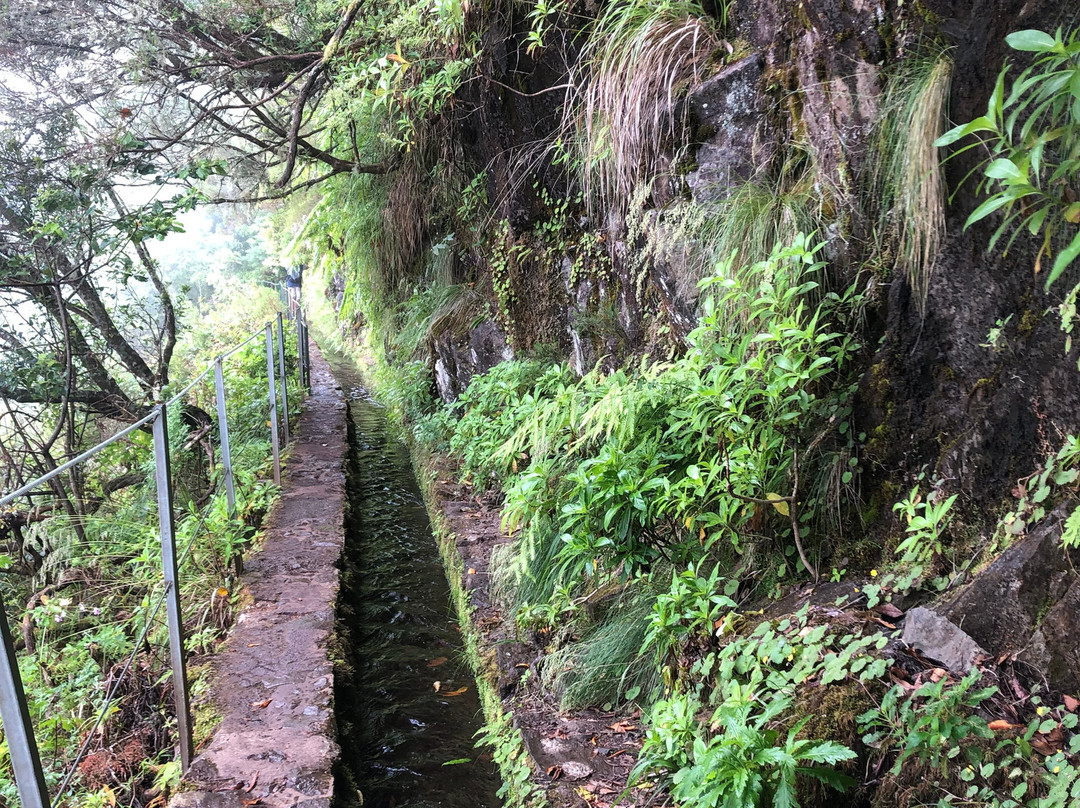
1033 139
747 761
932 725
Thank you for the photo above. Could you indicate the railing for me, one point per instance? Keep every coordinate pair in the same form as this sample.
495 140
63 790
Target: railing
14 708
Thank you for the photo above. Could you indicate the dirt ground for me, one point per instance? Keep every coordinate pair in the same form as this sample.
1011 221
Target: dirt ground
272 683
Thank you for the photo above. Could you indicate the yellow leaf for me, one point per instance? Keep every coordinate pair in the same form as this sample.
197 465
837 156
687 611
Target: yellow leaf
778 503
457 692
436 662
689 522
109 795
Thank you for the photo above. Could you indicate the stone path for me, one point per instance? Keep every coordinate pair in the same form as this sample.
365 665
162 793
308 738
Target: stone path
272 683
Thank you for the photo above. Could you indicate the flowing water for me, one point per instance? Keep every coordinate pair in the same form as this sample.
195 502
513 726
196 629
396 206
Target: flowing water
405 698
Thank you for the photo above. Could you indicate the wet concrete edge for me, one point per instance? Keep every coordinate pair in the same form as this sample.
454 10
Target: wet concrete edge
272 683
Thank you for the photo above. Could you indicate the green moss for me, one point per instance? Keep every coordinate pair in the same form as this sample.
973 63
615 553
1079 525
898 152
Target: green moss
1028 321
927 14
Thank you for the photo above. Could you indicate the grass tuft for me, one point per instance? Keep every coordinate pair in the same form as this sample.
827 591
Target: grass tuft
627 103
909 182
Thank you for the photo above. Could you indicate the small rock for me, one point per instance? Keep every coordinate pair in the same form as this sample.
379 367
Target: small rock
937 638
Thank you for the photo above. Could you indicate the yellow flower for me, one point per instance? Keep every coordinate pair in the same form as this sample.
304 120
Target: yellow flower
873 573
1041 711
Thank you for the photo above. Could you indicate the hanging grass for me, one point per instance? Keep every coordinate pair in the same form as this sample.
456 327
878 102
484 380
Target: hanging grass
908 183
626 104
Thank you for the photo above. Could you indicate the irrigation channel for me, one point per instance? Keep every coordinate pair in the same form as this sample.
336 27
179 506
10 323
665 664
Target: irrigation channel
406 741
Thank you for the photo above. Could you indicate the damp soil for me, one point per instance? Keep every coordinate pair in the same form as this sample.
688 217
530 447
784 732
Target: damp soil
406 703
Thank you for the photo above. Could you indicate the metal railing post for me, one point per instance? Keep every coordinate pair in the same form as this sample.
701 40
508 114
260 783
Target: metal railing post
282 376
273 403
300 339
163 479
223 433
18 731
307 354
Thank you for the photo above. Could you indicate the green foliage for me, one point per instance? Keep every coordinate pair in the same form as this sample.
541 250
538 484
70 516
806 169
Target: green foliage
1032 136
687 612
747 761
926 520
931 725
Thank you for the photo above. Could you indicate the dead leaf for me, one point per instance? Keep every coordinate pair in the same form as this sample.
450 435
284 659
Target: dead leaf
1001 725
438 686
522 665
472 571
885 623
437 662
622 726
261 704
937 674
889 610
109 795
254 780
457 692
1049 743
1071 704
554 772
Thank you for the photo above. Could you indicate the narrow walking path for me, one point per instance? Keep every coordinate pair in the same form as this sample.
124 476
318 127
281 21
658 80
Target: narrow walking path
272 683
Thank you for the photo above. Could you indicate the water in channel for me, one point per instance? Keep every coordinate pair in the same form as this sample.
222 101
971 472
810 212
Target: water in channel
405 698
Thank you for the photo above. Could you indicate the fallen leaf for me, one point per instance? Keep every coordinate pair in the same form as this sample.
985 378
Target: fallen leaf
261 704
1001 725
889 610
254 780
1049 743
472 571
885 623
622 726
254 644
522 665
937 674
436 662
1071 704
554 772
438 686
457 692
109 795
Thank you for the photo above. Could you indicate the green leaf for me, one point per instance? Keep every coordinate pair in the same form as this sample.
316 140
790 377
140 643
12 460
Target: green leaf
987 207
981 124
1003 169
1065 257
1031 40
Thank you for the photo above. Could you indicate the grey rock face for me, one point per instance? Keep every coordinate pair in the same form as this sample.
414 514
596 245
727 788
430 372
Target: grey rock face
731 105
1028 603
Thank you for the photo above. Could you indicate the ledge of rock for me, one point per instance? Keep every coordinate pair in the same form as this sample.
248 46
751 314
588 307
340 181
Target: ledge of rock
1027 603
273 682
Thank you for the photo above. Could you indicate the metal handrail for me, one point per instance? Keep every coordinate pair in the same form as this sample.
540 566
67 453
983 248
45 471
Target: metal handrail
25 759
56 472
